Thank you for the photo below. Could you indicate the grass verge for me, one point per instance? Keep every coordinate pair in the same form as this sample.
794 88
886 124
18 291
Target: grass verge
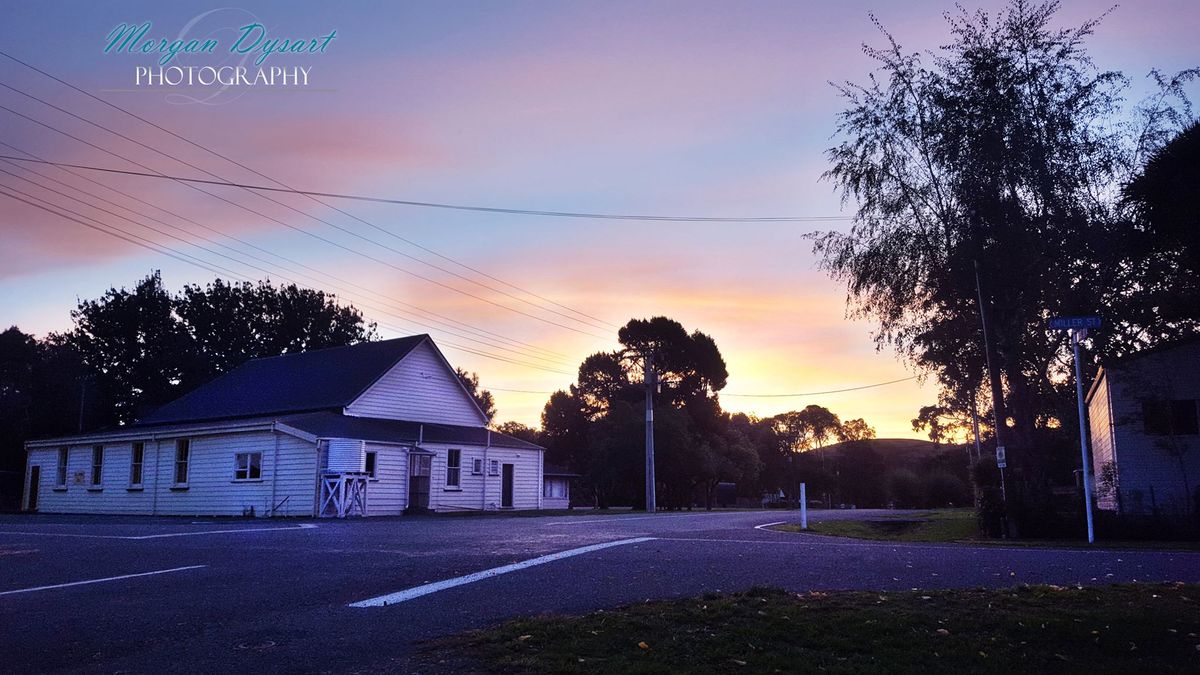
942 525
1124 628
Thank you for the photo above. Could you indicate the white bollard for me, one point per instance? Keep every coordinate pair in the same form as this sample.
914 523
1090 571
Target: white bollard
803 506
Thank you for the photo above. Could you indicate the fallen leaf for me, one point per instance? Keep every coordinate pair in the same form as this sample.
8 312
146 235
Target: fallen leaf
643 645
941 631
522 638
740 663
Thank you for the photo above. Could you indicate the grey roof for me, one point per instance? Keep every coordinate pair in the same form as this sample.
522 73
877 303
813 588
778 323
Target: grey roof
322 379
336 425
556 470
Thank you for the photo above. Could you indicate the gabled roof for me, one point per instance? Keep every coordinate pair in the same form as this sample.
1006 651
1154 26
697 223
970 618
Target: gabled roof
335 425
322 379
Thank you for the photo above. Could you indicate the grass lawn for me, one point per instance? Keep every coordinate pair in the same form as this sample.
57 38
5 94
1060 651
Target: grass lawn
1138 628
951 525
939 525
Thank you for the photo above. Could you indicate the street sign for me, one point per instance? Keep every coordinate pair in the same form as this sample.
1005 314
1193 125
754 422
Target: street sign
1074 322
1001 460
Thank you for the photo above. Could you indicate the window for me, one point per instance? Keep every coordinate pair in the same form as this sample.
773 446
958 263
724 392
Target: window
97 465
1170 418
371 462
556 488
453 468
494 467
183 451
137 454
477 467
247 466
60 475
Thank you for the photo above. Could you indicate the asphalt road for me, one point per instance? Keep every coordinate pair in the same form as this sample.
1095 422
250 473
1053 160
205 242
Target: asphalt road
274 595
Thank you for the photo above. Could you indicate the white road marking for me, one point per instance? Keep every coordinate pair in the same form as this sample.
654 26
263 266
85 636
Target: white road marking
303 526
622 519
426 589
100 581
765 525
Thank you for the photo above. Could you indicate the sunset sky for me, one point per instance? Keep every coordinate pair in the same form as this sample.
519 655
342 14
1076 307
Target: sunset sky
671 108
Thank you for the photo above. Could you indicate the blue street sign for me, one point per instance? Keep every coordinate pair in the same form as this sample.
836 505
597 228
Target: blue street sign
1072 322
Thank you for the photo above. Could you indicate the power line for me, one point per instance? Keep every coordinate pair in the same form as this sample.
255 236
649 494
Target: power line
285 185
811 393
821 393
226 257
183 257
289 225
441 319
294 209
460 207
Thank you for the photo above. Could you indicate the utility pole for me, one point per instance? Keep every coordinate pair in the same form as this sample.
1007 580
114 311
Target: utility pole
1077 335
650 379
998 415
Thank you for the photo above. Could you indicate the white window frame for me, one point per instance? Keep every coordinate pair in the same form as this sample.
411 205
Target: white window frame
60 471
454 470
477 466
183 457
247 467
493 467
137 463
97 467
371 463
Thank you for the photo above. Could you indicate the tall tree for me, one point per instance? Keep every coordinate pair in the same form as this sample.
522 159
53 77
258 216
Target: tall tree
134 347
597 424
230 323
983 176
19 355
144 347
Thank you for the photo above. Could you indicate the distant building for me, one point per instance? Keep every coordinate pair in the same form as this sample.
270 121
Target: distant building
1144 433
377 428
556 487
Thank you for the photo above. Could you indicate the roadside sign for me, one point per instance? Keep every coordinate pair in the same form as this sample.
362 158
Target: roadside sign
1001 460
1074 322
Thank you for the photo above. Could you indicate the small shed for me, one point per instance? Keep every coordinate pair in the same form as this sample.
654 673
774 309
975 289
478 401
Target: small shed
556 487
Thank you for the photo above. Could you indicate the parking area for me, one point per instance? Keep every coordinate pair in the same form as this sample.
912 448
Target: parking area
162 595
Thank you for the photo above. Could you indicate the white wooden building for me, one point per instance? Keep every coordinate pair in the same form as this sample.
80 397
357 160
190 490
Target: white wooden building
377 428
1145 439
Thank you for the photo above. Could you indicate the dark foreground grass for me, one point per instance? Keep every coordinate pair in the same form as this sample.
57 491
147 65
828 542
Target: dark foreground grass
942 525
1126 628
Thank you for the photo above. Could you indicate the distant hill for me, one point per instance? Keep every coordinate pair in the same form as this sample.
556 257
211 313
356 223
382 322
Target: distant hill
897 448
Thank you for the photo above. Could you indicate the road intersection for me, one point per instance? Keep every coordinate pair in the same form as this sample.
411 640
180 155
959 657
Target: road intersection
168 595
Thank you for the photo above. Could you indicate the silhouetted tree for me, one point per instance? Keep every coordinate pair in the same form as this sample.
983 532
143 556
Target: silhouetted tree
521 431
143 347
990 168
482 397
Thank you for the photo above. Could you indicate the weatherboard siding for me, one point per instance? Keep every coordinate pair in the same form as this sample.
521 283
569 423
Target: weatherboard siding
482 492
418 388
1150 476
1103 452
387 493
211 488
